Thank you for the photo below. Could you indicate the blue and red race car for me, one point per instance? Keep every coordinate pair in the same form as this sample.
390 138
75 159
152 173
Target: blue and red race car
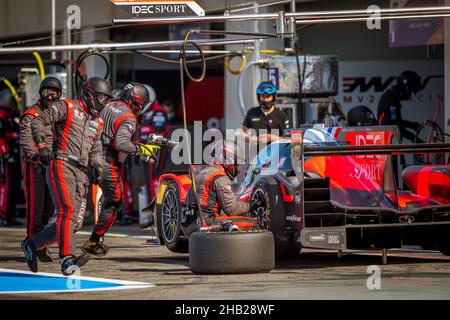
330 188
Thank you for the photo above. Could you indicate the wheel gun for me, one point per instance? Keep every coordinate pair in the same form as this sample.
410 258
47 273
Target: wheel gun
160 141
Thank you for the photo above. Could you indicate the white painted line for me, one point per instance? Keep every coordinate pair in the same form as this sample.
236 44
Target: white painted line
120 235
125 284
88 233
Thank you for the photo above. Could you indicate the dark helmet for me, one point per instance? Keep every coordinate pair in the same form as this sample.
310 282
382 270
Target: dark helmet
409 82
136 95
361 116
266 87
95 94
229 154
48 85
7 101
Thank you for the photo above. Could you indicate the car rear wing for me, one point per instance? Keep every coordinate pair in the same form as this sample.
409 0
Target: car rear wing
300 151
393 149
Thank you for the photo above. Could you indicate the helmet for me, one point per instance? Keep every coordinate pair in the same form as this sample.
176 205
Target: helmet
229 154
266 87
361 116
409 82
95 94
50 89
152 98
136 95
7 100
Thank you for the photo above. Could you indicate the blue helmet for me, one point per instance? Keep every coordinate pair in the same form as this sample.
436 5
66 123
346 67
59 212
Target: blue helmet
266 87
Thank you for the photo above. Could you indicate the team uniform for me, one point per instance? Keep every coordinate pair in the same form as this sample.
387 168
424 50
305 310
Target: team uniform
389 113
39 205
257 119
76 146
119 128
215 195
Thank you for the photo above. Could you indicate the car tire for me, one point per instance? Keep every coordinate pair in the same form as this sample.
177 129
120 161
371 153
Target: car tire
169 220
231 252
285 243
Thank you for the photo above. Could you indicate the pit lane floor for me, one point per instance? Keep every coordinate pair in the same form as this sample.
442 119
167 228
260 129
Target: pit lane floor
410 274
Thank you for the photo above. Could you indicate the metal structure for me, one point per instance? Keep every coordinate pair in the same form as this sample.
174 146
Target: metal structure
110 47
335 16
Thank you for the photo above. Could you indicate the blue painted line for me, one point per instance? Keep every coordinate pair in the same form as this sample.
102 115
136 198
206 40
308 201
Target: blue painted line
17 281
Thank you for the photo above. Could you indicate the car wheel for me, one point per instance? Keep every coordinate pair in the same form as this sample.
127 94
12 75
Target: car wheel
272 217
231 252
170 220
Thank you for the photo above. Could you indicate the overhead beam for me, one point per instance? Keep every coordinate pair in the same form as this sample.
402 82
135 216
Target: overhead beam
304 17
107 47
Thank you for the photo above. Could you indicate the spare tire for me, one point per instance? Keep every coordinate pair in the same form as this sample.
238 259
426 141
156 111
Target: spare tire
231 252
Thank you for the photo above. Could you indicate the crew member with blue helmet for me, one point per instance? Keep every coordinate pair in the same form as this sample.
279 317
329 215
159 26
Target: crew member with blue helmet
266 116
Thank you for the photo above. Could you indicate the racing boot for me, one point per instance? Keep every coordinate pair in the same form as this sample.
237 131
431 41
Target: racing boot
70 264
30 254
44 255
95 248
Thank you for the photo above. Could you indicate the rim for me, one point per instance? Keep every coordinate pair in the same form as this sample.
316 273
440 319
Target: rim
260 213
169 215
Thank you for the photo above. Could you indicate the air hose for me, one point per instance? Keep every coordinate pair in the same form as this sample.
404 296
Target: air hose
40 64
228 60
183 67
79 78
241 80
14 92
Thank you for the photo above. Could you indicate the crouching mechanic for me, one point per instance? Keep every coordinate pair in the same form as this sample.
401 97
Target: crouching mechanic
213 185
77 153
120 124
39 205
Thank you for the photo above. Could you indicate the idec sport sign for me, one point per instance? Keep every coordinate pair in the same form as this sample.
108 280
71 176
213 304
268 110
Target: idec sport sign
369 166
160 8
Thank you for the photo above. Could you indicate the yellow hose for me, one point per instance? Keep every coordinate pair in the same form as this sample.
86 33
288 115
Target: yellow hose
14 92
40 64
271 52
241 67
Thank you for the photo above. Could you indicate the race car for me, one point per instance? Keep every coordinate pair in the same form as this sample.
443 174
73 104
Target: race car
331 199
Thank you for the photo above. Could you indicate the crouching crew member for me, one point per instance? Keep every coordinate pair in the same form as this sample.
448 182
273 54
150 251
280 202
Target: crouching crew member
39 205
120 124
77 154
213 185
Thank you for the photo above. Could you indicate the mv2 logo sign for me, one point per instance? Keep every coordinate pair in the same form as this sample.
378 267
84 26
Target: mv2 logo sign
377 84
160 8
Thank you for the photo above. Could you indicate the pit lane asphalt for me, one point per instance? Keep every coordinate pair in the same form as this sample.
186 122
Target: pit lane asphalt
410 274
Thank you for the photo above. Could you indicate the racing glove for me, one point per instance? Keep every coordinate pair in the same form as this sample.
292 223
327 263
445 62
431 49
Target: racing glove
257 203
95 173
149 151
45 155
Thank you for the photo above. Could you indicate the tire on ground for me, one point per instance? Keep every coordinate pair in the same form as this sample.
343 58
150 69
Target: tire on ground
285 242
231 252
178 244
